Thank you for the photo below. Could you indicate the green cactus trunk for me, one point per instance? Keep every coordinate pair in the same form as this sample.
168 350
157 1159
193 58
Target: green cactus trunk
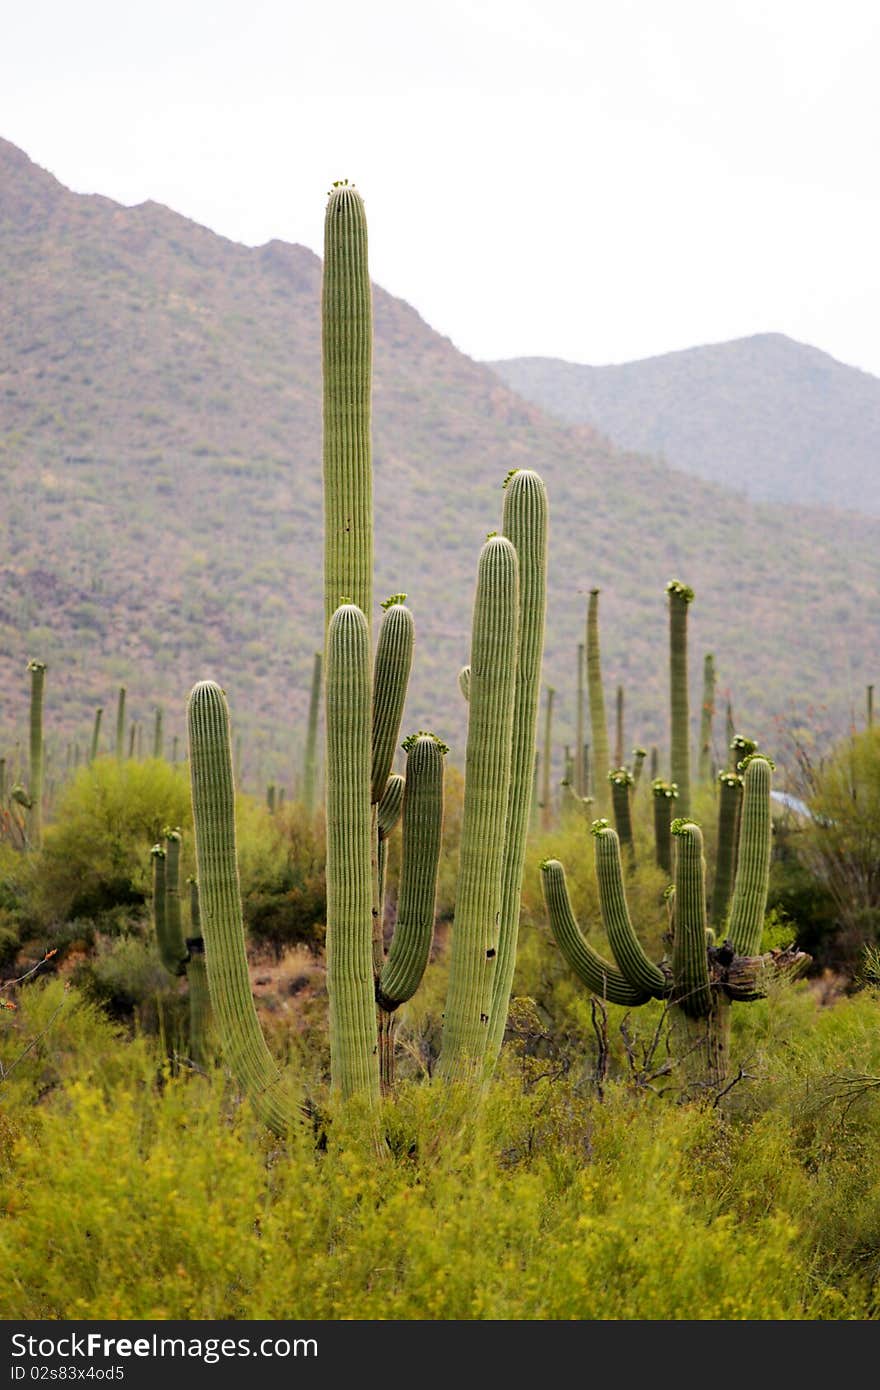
680 598
746 924
664 795
311 754
232 1002
132 733
707 714
525 525
580 784
120 725
699 1015
598 726
158 741
618 729
546 762
96 735
729 798
487 779
347 345
621 782
35 780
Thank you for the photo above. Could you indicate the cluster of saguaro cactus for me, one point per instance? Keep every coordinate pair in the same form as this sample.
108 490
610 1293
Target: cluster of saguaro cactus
697 979
364 703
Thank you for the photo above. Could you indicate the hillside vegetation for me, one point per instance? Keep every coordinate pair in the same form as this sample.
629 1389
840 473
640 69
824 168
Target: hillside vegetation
160 423
766 416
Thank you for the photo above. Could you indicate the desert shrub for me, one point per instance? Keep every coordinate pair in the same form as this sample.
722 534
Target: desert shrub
124 974
281 862
96 851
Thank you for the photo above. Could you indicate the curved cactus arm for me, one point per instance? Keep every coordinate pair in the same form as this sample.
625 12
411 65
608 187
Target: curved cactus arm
637 968
394 653
749 904
525 525
596 973
232 1002
391 804
422 825
680 599
347 347
487 778
464 681
350 978
692 990
730 796
596 697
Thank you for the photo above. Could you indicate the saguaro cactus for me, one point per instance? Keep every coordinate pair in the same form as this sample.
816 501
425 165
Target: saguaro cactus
580 784
664 794
707 714
598 725
680 597
96 735
311 751
487 779
730 795
120 725
700 980
38 678
546 761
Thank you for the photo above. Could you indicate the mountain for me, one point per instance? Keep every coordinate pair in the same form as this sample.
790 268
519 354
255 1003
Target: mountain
766 416
160 480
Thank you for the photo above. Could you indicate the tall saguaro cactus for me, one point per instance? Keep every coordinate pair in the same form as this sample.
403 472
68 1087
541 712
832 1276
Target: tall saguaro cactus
598 724
347 347
707 714
38 679
487 780
120 725
525 525
680 597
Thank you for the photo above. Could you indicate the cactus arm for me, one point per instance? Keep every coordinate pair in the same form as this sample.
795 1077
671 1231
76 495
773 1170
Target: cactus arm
634 964
749 904
171 943
487 777
422 824
232 1002
730 795
464 681
394 654
664 794
639 756
591 969
621 780
311 758
391 805
350 902
525 524
598 726
692 990
347 344
680 598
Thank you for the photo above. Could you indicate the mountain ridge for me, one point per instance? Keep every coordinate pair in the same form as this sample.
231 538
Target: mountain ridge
781 420
160 443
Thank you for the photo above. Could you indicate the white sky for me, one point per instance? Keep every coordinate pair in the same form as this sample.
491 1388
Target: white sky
599 181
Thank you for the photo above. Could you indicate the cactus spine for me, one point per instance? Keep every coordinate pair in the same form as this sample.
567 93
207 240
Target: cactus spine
680 597
598 726
38 679
487 778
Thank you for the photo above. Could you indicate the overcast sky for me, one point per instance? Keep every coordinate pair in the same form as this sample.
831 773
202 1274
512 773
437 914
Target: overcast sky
599 181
